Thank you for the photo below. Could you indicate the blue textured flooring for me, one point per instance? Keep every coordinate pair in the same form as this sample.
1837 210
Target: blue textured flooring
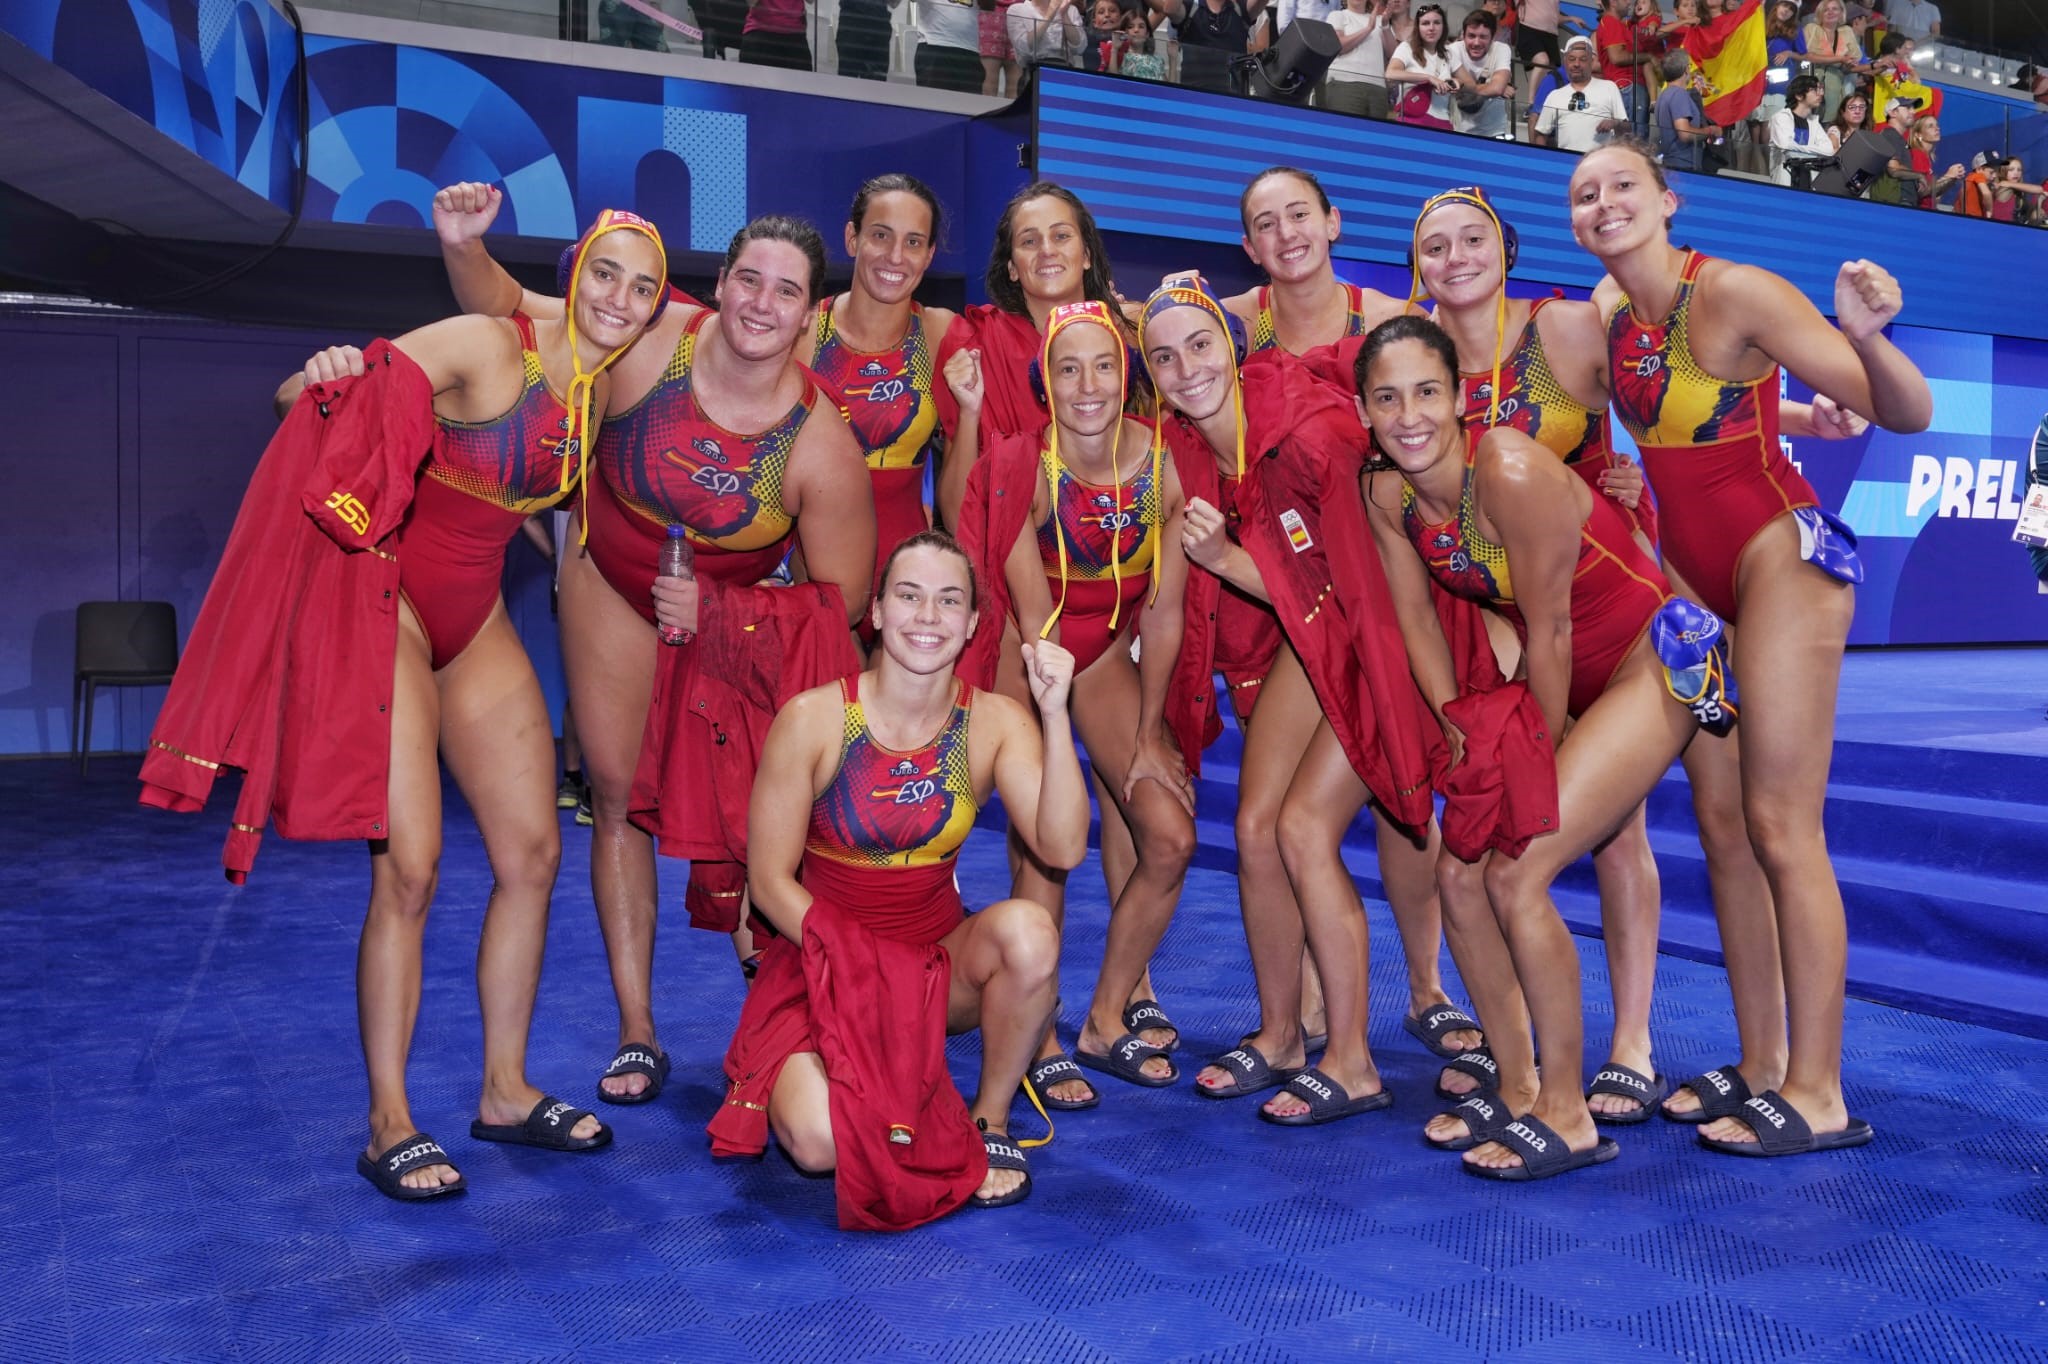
176 1170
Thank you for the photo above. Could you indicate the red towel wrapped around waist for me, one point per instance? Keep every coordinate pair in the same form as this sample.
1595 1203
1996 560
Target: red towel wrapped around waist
713 701
867 992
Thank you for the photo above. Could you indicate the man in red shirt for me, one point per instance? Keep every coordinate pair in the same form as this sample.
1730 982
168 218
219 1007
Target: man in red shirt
1623 59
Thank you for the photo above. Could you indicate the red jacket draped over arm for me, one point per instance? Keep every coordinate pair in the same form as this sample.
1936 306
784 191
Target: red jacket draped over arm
288 672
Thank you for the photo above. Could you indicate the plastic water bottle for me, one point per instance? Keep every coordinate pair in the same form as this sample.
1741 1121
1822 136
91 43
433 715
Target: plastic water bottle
678 560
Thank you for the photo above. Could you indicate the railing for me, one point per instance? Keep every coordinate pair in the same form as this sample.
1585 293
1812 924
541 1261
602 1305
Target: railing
924 42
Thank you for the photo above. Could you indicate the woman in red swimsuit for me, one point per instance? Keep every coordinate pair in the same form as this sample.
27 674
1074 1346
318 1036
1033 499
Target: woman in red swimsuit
865 792
1047 253
1694 347
1085 517
1497 520
1289 228
876 348
1550 359
713 426
513 402
1291 597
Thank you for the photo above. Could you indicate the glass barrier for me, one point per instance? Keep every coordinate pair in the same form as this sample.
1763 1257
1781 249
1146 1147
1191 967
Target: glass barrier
985 47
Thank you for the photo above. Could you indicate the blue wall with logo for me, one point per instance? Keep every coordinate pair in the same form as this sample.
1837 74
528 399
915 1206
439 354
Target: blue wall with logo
390 124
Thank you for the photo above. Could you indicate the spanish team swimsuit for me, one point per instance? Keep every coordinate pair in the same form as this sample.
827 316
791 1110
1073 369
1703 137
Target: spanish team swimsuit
1710 446
1533 402
886 398
884 833
482 480
665 463
1264 337
1616 589
1097 524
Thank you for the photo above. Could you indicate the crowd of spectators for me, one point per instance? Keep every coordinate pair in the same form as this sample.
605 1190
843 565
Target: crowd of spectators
1843 109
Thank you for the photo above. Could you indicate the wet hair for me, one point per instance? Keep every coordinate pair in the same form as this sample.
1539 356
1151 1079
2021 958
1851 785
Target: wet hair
1008 293
931 539
1643 151
1407 327
1244 200
775 227
897 183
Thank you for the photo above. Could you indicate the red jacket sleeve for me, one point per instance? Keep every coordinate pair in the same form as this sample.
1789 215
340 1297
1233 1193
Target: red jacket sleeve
992 515
288 672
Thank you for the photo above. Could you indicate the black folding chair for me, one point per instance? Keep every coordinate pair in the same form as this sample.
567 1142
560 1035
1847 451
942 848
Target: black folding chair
120 644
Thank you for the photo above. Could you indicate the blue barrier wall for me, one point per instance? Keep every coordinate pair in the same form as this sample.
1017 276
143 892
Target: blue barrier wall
214 78
391 123
1163 162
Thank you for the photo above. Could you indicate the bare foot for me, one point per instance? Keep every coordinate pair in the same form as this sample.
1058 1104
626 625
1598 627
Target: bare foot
1578 1132
1610 1105
1093 1041
1000 1183
1448 1127
1075 1091
1824 1113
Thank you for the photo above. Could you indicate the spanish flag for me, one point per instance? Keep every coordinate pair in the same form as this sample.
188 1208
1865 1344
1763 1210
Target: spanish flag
1730 53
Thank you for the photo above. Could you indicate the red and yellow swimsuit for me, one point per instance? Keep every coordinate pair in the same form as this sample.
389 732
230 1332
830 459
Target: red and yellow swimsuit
1616 589
884 834
482 480
1710 446
1265 337
1536 404
886 398
1098 525
666 463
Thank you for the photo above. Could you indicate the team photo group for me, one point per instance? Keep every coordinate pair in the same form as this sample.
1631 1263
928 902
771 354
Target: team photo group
836 571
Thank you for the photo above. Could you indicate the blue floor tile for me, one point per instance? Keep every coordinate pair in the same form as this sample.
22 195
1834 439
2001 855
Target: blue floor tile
204 1203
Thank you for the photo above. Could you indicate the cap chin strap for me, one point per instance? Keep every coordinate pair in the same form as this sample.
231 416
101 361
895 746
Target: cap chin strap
1056 468
1500 304
582 427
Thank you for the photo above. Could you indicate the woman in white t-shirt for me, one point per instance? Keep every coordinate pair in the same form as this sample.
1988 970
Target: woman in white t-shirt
1357 81
1423 62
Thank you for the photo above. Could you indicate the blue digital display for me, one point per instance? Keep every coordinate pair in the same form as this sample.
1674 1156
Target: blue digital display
1165 162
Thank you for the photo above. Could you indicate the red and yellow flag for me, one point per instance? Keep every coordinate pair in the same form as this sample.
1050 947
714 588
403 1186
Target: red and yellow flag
1731 54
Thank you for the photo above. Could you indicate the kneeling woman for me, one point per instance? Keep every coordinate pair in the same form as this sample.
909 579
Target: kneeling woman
865 792
1512 528
386 641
